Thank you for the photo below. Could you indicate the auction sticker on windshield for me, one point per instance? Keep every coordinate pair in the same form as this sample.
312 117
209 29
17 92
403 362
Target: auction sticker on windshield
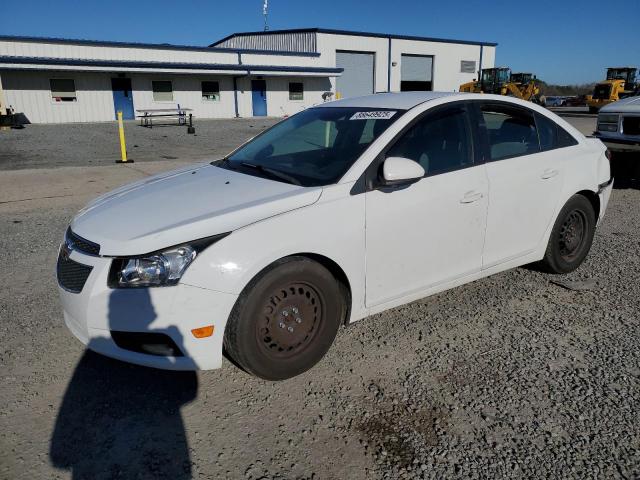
378 115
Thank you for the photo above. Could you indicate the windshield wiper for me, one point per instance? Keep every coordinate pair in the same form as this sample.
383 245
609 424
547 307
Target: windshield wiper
270 172
220 162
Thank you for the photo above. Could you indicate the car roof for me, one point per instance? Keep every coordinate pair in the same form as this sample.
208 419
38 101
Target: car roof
399 100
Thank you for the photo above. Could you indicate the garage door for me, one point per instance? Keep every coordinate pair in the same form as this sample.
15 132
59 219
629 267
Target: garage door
416 73
357 78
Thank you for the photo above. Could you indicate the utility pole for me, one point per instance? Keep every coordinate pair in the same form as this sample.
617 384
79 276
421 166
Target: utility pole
265 12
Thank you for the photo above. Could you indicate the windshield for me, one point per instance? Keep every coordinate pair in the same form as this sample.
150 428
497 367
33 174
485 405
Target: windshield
488 75
621 74
503 76
315 147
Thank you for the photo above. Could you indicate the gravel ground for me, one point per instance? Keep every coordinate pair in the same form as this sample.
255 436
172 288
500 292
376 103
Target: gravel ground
511 376
79 144
92 144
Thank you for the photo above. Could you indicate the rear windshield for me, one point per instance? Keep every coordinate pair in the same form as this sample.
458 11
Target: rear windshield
315 147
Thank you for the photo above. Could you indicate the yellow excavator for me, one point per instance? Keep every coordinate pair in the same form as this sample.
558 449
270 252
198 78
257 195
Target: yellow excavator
500 81
620 83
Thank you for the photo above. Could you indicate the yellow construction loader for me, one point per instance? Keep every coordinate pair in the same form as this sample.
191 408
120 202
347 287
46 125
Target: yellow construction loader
620 83
526 83
500 81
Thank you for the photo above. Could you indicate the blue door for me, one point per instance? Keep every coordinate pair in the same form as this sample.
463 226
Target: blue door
259 97
122 97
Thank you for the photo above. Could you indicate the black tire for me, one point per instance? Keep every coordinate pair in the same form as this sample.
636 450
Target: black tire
267 342
571 237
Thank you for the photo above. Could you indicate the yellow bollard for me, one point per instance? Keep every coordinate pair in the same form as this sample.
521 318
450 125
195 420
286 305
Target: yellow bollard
123 145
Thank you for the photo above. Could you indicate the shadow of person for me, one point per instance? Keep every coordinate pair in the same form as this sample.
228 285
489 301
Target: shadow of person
119 420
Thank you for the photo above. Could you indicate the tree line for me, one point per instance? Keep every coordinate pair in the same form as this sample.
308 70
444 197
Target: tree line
550 89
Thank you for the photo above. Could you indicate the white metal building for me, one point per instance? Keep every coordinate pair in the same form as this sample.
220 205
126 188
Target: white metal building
272 73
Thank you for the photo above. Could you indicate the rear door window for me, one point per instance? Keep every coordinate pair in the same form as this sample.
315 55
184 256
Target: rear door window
548 133
565 139
552 135
511 131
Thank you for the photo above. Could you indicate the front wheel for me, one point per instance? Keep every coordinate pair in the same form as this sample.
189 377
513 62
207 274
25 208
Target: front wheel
571 237
285 320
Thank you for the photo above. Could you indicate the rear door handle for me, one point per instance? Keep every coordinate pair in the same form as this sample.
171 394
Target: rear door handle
549 173
471 197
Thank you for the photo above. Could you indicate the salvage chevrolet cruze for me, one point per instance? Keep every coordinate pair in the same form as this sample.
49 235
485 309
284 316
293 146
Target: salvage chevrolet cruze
339 212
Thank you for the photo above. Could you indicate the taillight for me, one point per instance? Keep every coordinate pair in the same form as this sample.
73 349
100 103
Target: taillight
607 154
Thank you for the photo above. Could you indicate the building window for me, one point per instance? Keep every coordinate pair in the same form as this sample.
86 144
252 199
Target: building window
162 90
467 66
211 91
63 90
296 91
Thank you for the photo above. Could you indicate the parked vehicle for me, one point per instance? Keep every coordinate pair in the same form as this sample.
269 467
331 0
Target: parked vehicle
554 102
576 101
500 81
619 125
620 83
341 211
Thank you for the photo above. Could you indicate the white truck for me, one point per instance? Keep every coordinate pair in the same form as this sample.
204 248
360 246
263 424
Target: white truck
619 125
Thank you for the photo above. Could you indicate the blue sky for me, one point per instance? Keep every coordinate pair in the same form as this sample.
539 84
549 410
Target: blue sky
562 41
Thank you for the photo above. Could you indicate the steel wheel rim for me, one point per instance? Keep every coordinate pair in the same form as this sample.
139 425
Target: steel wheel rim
290 320
572 234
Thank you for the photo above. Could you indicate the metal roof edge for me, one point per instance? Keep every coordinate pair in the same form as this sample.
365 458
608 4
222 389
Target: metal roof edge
358 34
6 59
155 46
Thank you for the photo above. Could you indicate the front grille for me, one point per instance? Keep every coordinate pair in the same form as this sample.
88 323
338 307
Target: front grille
151 343
631 125
76 242
71 275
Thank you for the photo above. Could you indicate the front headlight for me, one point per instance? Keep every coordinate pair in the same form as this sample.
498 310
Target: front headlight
157 269
165 268
608 118
608 122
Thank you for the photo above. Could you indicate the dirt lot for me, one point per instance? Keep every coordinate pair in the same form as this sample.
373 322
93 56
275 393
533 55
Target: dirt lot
512 376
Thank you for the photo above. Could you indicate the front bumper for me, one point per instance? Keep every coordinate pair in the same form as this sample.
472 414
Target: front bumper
619 144
97 310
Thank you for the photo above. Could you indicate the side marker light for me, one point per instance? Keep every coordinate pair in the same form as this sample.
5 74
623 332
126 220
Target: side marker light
203 332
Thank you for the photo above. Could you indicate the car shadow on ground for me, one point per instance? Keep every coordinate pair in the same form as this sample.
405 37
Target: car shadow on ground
119 420
626 170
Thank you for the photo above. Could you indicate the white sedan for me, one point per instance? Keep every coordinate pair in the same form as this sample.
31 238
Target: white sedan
339 212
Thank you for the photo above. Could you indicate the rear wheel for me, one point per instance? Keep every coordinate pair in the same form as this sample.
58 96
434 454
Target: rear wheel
571 237
285 320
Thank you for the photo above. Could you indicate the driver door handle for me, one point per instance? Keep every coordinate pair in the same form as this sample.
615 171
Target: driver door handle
471 197
549 173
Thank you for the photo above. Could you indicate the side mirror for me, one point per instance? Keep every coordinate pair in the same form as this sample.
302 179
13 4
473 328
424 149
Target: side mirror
399 170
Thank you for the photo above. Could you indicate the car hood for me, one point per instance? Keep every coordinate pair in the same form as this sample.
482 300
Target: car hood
184 205
629 104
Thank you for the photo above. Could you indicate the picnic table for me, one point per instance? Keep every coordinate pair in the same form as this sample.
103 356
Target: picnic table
148 114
